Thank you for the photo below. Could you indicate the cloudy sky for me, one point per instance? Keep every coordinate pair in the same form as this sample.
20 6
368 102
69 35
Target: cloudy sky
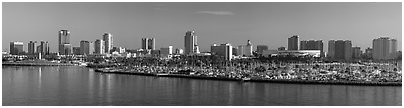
262 23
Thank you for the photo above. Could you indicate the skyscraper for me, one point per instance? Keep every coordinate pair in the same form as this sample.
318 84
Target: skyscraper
293 42
149 43
356 52
16 48
190 42
86 47
384 48
340 49
331 48
43 48
222 50
108 42
64 42
31 47
99 46
245 50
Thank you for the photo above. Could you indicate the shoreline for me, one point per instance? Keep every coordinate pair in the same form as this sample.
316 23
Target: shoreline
288 81
36 64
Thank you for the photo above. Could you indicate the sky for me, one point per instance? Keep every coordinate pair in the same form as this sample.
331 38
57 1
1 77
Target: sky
267 23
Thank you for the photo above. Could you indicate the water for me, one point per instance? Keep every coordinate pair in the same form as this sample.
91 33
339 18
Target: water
82 86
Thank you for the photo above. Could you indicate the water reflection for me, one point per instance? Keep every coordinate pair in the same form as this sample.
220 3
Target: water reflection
83 86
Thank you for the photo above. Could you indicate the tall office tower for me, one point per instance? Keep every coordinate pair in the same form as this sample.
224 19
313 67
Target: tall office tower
99 47
16 48
356 52
108 42
76 50
245 50
342 49
31 47
222 50
261 48
64 42
149 43
86 47
43 48
190 42
293 42
312 45
384 48
331 49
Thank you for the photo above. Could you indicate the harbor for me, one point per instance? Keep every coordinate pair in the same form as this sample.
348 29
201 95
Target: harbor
325 73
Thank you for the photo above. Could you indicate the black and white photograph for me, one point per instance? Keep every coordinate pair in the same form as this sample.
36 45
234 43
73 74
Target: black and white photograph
201 53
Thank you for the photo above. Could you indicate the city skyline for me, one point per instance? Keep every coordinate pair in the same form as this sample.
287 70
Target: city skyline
224 24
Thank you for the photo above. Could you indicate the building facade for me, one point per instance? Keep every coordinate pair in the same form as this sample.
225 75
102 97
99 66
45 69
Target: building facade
86 47
190 43
99 46
149 43
261 48
32 47
293 42
222 50
43 48
108 42
16 48
245 50
356 52
64 42
340 49
384 48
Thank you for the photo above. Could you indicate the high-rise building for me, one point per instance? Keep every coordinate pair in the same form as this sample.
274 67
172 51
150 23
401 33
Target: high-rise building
293 42
43 48
384 48
190 41
64 42
340 49
245 50
312 45
76 50
149 43
222 50
261 48
356 52
31 47
108 42
86 47
99 46
331 48
16 48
